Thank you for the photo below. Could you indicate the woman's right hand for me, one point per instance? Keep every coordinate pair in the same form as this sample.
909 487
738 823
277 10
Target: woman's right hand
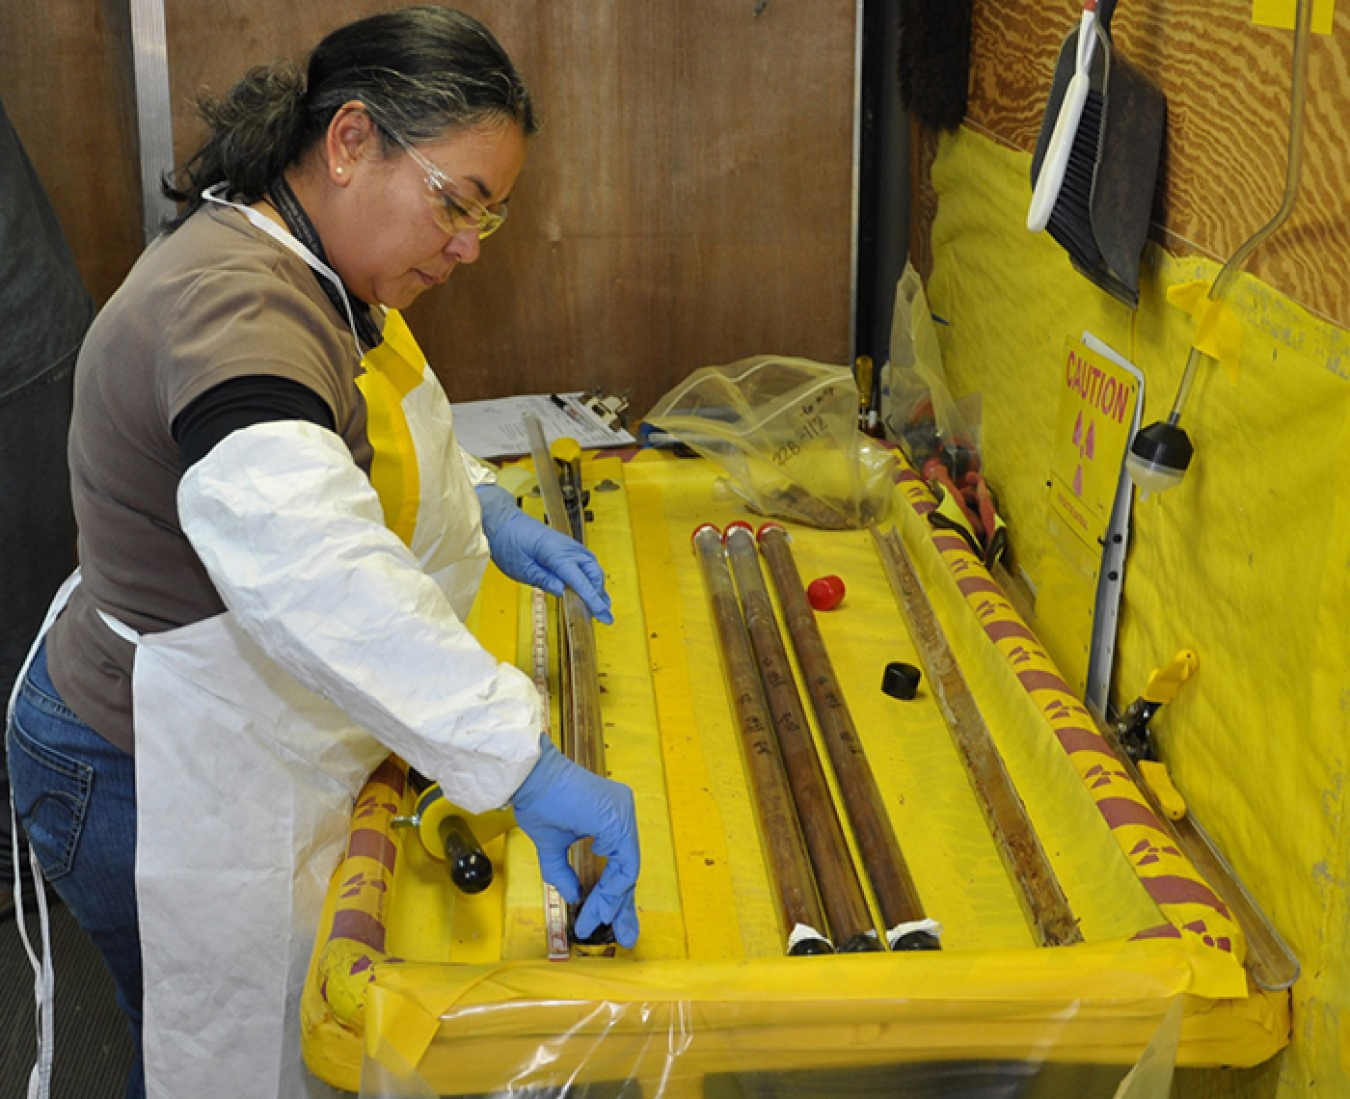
532 553
559 803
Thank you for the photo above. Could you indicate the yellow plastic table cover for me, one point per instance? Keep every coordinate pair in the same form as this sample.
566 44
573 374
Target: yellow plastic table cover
432 992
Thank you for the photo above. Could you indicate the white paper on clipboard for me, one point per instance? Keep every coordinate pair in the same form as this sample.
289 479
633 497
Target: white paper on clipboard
494 429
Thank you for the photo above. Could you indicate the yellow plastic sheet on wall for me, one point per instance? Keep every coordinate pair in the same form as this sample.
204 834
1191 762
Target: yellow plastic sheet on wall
1247 562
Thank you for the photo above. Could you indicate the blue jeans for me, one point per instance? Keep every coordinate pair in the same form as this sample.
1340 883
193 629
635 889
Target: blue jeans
75 795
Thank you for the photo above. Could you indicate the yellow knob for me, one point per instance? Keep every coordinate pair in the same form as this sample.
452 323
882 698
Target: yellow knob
566 449
1163 683
1160 782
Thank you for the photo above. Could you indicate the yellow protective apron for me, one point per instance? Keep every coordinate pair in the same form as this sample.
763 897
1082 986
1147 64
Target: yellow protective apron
245 780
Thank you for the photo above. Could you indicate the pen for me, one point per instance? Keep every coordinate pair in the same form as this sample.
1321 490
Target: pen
565 407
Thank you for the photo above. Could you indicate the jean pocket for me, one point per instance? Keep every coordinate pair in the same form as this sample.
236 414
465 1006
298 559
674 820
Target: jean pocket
51 796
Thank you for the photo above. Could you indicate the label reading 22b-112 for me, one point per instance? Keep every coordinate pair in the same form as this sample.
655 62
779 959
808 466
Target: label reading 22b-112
811 427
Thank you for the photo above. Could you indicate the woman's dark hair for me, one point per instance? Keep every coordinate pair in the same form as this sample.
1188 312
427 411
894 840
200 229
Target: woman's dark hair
419 71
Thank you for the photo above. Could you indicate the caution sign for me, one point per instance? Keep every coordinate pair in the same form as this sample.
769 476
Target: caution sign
1096 417
1097 408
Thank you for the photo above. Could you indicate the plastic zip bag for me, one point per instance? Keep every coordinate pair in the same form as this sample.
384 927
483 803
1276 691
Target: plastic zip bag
785 432
917 408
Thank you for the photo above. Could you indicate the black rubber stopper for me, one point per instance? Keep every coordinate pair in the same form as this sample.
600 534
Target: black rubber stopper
917 940
470 868
901 680
1163 444
810 946
861 944
472 872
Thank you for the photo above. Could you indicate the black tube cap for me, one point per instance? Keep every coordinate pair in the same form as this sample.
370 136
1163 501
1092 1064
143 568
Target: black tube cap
917 940
603 935
901 680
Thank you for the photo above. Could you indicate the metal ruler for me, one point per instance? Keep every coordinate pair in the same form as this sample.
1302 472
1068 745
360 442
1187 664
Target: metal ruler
555 909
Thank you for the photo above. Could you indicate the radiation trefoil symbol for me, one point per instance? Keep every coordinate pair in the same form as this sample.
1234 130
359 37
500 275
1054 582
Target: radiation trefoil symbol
1086 442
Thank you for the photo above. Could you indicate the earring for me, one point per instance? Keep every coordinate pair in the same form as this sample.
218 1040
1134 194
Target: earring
339 169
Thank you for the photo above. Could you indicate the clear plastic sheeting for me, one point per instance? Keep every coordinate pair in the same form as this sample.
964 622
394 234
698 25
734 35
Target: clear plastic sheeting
785 430
917 408
686 1049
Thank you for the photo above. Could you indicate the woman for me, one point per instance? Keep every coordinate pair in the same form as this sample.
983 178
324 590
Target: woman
279 539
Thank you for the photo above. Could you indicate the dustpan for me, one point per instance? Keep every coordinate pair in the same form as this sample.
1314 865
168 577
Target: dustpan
1104 226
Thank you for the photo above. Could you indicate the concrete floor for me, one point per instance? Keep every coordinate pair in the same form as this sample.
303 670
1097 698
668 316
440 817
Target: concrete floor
93 1049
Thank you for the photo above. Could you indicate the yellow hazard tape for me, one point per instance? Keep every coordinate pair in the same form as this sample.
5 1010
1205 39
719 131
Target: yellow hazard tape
1218 332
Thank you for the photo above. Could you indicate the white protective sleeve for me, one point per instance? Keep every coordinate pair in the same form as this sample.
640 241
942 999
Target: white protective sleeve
292 535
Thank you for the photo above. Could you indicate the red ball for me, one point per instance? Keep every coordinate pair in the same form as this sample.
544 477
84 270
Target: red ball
826 593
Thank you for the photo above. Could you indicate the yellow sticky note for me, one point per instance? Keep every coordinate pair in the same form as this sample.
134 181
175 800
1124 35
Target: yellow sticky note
1280 13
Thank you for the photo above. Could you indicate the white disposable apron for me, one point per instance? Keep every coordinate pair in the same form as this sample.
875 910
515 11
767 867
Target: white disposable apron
245 780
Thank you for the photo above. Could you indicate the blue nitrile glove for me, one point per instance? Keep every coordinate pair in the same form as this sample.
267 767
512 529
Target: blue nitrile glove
527 550
561 802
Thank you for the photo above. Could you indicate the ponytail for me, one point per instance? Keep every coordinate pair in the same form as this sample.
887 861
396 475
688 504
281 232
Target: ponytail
257 129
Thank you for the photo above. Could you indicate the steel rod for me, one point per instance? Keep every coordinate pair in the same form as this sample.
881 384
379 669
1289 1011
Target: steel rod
579 711
789 865
154 111
907 926
1042 898
841 892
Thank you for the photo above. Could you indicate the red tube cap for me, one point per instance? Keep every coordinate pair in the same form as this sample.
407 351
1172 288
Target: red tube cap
693 538
766 527
826 593
739 524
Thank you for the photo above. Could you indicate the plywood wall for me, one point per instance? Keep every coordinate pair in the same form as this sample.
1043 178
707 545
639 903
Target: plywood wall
1227 85
688 202
65 77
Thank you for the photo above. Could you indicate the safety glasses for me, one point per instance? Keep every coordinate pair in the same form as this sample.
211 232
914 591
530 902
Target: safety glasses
453 210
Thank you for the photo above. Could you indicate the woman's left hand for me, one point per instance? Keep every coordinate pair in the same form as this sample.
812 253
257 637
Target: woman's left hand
532 553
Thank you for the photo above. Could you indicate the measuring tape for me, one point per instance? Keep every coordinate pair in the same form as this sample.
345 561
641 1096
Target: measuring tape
555 909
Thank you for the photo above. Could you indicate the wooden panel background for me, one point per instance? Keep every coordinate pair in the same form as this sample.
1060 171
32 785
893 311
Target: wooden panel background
65 77
1227 86
688 202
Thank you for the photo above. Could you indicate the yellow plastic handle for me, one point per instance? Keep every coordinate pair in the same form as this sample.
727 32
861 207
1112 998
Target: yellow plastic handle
1163 683
565 449
1160 782
433 807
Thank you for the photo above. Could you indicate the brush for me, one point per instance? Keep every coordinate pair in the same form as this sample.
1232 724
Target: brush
934 60
1063 191
1096 160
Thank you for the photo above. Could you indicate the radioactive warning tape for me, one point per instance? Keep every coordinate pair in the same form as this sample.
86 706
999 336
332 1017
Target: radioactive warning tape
1190 906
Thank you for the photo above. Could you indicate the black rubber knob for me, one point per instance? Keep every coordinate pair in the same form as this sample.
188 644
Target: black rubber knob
901 680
